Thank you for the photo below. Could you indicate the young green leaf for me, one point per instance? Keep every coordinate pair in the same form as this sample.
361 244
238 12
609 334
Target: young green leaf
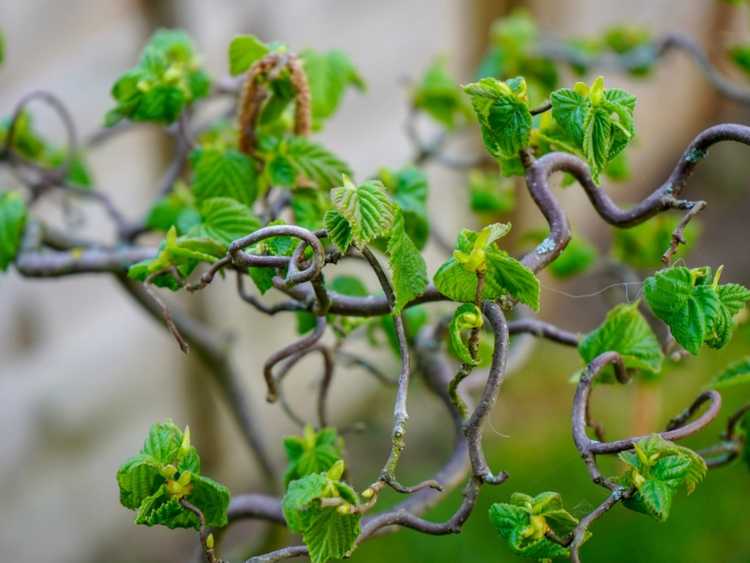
440 96
525 521
409 189
224 173
367 208
657 469
12 224
244 50
177 254
695 307
313 452
166 79
166 470
503 112
504 276
737 373
597 121
224 220
314 164
626 332
407 265
329 75
465 317
329 532
339 229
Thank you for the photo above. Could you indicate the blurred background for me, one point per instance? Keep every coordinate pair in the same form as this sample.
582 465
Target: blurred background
83 372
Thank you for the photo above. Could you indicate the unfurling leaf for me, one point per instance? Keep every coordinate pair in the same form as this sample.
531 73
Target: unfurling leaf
525 522
166 470
465 317
504 275
166 79
503 112
598 122
658 468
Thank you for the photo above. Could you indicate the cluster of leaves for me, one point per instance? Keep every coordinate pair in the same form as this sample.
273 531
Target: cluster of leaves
167 78
165 471
318 503
526 522
439 96
216 208
657 469
697 309
477 254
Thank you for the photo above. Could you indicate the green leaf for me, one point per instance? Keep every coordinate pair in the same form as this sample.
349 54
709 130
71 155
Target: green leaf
598 122
524 522
328 532
733 296
166 79
691 304
137 479
407 265
244 50
339 229
506 275
182 254
166 470
440 96
409 189
653 498
626 332
315 165
329 74
212 498
657 468
313 452
736 373
465 317
224 220
12 223
367 208
503 112
224 173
